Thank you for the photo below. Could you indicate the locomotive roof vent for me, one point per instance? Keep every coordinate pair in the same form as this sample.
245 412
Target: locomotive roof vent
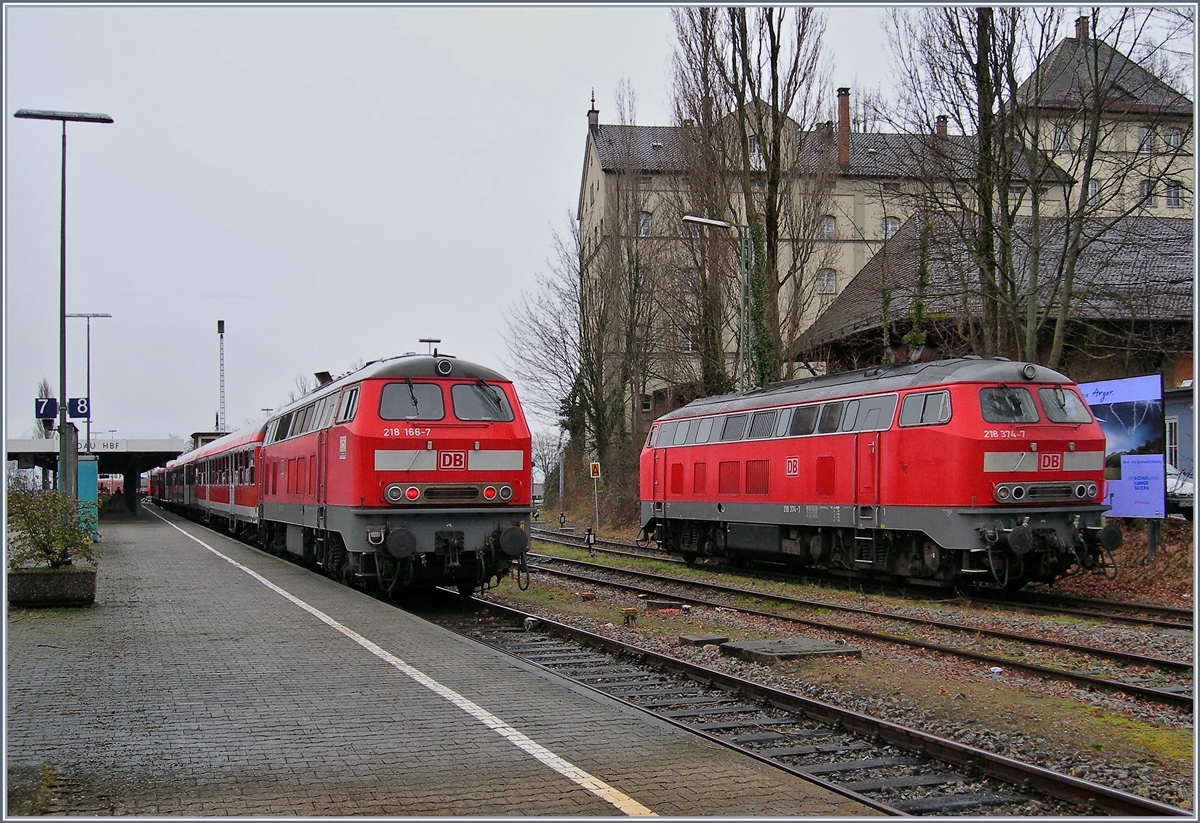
444 367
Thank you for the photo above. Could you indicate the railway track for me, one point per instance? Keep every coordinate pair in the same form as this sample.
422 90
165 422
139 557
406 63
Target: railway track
1177 677
1143 614
890 767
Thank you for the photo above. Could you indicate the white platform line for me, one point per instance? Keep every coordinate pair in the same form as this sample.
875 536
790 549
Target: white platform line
598 787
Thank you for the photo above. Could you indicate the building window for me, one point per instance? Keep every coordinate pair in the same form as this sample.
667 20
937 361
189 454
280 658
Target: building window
1145 140
1174 195
889 226
1146 193
828 227
756 154
1062 137
1173 138
644 224
1015 192
645 404
1093 192
644 181
891 187
689 340
690 280
826 281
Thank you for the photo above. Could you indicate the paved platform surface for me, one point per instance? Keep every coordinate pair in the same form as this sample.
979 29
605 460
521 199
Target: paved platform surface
217 680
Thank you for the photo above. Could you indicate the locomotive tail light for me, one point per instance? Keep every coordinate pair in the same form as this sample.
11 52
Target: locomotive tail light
412 492
1003 493
506 493
489 493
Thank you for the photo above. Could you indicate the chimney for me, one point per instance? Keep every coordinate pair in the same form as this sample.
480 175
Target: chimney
843 138
1081 28
593 113
942 120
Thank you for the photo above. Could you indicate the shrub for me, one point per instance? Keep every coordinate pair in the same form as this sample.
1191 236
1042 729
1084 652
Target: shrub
46 528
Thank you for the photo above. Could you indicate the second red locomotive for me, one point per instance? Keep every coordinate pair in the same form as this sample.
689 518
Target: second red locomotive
944 473
410 472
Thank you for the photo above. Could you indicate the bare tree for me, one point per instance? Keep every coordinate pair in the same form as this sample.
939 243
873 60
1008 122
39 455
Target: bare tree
1044 130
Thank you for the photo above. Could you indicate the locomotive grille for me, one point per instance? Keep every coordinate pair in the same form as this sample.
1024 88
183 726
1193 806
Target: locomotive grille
1050 492
451 494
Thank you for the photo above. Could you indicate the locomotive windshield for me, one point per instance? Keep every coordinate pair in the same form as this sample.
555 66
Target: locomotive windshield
1064 406
1004 404
411 401
479 401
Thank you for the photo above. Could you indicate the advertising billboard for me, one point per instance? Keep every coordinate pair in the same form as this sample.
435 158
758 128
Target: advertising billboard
1130 411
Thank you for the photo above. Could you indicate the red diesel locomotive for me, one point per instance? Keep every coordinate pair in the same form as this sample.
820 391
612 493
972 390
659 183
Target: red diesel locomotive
410 472
946 473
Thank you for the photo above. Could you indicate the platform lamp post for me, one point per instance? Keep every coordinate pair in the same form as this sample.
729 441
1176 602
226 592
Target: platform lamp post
66 449
744 327
88 317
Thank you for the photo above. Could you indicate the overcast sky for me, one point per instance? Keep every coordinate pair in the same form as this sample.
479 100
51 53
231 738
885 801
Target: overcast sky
334 183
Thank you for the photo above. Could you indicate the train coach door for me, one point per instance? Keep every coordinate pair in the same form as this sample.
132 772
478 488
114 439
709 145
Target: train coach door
866 468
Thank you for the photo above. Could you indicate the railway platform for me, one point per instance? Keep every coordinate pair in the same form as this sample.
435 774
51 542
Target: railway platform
211 679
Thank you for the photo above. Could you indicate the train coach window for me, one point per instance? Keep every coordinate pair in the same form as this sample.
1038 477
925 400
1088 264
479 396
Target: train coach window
804 421
1064 406
411 401
925 409
735 427
1004 404
479 401
763 424
704 430
831 416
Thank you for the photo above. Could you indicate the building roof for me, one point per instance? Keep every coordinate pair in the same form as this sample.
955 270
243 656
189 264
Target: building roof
1066 81
1136 268
659 149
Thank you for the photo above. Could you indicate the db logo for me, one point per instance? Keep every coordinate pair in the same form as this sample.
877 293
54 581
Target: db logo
1050 462
793 467
452 460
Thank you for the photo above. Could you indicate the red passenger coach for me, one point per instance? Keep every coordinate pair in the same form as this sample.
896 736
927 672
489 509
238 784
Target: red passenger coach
410 472
943 473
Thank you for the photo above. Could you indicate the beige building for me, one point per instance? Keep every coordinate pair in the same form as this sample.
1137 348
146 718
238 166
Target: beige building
850 192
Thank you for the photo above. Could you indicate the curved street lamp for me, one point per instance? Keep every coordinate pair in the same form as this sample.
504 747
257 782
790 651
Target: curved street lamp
67 455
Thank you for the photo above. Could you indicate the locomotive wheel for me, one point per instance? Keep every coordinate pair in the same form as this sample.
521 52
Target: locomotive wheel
689 558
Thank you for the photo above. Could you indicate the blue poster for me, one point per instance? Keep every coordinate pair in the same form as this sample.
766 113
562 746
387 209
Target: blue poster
1130 411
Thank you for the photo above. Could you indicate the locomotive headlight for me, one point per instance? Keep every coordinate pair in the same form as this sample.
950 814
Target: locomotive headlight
412 492
1092 491
1002 493
1018 493
393 493
506 493
489 493
1081 491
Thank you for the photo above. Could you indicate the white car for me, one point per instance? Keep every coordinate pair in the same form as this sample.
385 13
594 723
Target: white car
1181 493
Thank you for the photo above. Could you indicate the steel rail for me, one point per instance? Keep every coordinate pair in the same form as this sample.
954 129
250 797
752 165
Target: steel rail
1091 796
1145 692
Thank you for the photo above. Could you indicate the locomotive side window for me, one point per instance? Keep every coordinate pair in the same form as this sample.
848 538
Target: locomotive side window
1004 404
925 409
479 401
785 420
762 424
681 433
651 437
666 435
735 427
804 420
411 401
850 415
1064 406
349 405
875 413
831 416
704 431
